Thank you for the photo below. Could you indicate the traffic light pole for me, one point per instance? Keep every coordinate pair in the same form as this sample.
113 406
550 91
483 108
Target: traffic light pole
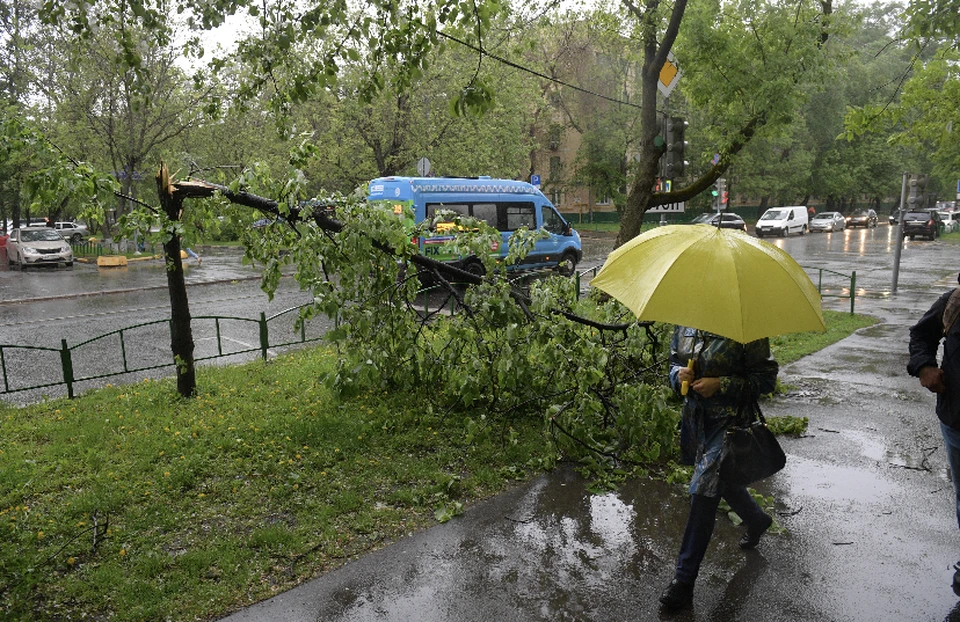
899 233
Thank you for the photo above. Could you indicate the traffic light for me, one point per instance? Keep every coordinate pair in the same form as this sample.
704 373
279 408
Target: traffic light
719 193
917 192
675 147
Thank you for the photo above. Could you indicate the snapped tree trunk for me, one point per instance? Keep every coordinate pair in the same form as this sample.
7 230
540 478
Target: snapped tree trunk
181 332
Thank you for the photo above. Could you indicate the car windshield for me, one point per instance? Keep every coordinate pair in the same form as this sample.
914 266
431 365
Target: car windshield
778 214
707 218
824 216
917 216
860 214
40 235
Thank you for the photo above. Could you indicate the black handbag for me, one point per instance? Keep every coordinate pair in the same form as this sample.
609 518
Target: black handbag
750 450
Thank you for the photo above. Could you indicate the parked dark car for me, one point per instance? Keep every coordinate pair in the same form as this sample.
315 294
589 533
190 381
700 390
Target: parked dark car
926 223
727 221
862 218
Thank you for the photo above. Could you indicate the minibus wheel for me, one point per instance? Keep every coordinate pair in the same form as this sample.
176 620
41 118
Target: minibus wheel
475 268
567 264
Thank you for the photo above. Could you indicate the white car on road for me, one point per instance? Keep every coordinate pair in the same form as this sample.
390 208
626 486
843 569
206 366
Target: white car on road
34 246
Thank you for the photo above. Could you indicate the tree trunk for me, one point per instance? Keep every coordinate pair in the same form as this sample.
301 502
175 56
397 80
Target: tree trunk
642 188
181 331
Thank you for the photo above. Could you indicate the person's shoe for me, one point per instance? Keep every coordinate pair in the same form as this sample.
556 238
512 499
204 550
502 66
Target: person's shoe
678 595
956 579
752 538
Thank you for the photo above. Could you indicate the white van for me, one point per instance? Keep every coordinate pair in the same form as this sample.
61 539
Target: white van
781 221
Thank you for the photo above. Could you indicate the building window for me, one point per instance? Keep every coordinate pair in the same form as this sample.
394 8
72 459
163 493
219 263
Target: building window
555 166
556 197
604 200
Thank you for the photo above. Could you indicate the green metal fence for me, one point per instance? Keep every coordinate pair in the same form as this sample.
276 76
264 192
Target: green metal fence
90 360
850 279
117 348
86 249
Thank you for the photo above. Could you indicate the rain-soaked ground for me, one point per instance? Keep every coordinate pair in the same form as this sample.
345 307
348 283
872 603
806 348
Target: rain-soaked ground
865 501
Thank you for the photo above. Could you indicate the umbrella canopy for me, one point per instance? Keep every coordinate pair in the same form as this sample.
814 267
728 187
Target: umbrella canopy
719 280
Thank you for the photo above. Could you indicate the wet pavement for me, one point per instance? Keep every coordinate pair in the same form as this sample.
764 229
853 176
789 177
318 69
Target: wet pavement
865 500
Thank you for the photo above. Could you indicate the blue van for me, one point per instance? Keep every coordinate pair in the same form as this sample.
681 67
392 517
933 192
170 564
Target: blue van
504 204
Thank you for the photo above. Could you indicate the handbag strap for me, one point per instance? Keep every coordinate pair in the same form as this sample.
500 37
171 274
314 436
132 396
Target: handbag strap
745 417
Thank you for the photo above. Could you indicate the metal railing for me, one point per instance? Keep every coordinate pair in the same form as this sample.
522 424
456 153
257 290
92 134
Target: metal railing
852 292
85 361
86 248
579 277
92 359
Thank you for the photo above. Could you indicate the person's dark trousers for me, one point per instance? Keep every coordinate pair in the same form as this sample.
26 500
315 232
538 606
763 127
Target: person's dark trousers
703 514
743 504
696 537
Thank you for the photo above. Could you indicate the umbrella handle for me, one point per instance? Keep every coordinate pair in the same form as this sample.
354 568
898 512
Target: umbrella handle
685 386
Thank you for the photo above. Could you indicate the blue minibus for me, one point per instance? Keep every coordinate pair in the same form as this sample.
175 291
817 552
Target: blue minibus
504 204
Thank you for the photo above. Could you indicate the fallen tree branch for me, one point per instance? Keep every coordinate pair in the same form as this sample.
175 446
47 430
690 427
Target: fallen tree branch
203 189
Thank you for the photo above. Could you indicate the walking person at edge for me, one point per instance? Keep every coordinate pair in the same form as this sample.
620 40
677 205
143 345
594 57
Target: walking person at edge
939 324
724 374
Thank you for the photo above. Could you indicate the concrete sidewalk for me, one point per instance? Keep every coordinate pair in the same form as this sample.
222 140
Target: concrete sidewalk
865 500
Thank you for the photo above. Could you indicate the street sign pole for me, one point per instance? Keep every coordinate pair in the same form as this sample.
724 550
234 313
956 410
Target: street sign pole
423 167
899 233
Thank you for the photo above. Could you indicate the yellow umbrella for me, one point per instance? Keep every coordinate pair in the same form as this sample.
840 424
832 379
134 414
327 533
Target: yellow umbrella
719 280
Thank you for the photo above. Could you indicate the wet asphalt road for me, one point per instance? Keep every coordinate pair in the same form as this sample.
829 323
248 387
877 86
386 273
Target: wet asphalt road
865 500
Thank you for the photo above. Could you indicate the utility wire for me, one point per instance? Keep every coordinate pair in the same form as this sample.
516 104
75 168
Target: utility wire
514 65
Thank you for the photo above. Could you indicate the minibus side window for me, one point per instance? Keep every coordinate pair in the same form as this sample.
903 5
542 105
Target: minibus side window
487 212
520 215
553 222
433 208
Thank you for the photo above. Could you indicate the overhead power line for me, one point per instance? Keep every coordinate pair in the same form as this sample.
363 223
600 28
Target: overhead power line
514 65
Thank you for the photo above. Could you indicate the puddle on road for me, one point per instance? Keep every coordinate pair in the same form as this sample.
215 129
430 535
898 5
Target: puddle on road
873 447
834 482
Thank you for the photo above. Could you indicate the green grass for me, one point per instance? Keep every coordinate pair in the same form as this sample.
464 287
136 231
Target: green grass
789 348
199 507
129 504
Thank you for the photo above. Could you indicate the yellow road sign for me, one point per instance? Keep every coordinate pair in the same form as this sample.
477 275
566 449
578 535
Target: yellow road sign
669 76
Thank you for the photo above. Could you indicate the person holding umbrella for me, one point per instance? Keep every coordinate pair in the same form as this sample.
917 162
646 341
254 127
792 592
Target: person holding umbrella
718 376
729 293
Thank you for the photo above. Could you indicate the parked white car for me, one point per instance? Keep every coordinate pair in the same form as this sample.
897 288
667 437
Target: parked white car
73 231
35 246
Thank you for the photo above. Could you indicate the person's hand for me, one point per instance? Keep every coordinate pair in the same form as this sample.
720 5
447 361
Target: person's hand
706 387
931 378
686 375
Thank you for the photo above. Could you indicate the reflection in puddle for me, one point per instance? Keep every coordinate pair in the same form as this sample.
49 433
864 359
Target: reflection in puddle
611 519
835 482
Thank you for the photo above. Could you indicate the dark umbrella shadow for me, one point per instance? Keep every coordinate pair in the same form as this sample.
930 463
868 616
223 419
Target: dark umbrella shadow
954 615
